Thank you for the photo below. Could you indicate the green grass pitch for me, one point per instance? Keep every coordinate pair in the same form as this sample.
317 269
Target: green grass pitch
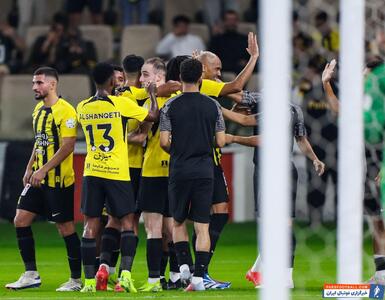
315 264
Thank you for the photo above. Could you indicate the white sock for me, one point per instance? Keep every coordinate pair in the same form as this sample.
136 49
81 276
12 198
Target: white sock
196 280
174 277
112 270
184 268
152 280
31 273
107 267
378 256
257 264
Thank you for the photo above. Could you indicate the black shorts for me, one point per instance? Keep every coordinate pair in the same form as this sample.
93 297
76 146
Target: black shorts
116 195
56 204
77 6
135 175
221 192
191 199
257 194
153 195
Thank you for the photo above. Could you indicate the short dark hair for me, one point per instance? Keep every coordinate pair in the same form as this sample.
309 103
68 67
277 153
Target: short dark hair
173 67
117 68
102 73
132 63
374 62
322 16
230 12
47 71
60 18
180 19
191 70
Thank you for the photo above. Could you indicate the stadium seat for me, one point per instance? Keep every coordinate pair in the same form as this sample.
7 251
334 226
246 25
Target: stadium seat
17 103
245 28
139 40
74 88
6 6
201 30
102 37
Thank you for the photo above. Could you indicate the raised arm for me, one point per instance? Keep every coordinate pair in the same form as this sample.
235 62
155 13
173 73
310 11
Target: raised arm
153 113
243 77
327 75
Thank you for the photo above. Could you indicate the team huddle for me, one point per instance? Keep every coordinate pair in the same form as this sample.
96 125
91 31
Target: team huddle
153 133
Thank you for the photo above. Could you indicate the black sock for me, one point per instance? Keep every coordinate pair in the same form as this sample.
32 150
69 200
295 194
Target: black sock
201 261
154 257
74 255
163 263
127 249
217 223
97 263
293 246
88 249
173 260
27 247
183 254
109 243
380 263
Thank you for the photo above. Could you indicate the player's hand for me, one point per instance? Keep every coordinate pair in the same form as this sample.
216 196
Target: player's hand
241 109
377 179
252 47
151 88
37 177
229 138
27 176
173 86
328 72
195 54
319 167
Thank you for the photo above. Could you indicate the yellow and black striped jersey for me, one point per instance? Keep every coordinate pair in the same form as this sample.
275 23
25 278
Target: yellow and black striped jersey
156 160
51 125
135 151
104 122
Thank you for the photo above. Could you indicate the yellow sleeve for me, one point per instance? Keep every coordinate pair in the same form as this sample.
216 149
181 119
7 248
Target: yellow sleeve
211 88
139 93
69 122
129 95
131 109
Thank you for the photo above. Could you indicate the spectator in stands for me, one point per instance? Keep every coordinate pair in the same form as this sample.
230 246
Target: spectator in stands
11 48
44 49
75 54
230 45
75 8
180 41
325 35
139 7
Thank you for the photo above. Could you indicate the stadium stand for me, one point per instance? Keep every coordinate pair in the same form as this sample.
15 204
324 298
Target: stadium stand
245 28
140 40
201 30
100 35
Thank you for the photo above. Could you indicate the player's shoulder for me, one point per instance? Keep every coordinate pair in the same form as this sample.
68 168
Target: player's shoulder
38 106
83 102
65 105
173 99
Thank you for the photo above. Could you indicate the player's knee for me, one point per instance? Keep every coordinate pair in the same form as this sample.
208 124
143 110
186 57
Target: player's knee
220 208
65 229
21 220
